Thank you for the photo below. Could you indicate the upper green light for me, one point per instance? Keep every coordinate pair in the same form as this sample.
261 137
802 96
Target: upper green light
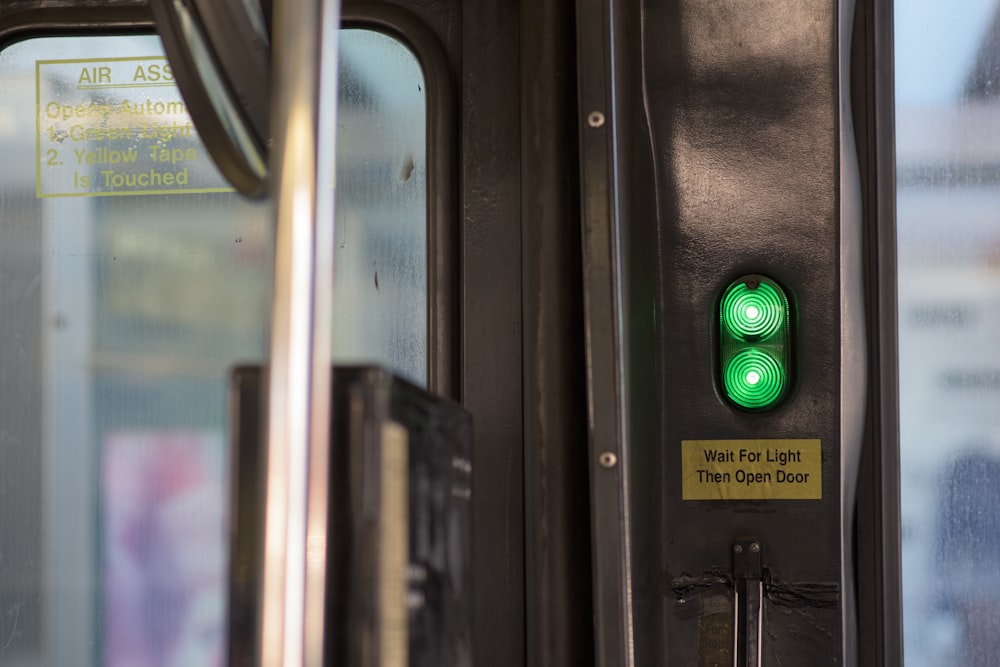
753 313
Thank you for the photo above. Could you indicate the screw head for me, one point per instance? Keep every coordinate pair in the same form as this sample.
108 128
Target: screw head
595 119
755 547
607 460
738 548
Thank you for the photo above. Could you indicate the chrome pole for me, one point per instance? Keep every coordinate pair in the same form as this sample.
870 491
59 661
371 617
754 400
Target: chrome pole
302 120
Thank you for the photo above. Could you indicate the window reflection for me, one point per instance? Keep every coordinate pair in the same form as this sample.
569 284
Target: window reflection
948 163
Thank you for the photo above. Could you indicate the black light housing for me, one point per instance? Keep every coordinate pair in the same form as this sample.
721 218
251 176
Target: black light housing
755 343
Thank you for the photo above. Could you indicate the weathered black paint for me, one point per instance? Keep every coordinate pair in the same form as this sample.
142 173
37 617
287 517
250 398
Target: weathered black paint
559 611
880 627
746 180
730 144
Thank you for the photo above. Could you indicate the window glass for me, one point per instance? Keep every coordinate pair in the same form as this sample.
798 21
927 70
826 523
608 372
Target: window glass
948 163
380 282
132 280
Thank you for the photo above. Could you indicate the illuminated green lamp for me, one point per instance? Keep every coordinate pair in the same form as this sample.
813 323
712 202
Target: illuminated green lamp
755 343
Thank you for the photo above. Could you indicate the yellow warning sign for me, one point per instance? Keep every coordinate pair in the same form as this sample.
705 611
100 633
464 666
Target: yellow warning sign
752 470
116 126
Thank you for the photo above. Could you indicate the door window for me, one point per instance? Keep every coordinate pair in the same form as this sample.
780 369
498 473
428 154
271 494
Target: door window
132 280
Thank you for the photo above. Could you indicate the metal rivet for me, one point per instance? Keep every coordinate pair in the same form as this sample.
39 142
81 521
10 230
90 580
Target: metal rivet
754 547
607 460
738 548
595 119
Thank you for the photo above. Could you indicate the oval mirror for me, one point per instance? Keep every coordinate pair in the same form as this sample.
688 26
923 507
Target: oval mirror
220 52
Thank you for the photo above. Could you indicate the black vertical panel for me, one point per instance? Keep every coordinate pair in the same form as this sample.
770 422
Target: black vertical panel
600 171
734 157
559 612
491 322
880 631
643 256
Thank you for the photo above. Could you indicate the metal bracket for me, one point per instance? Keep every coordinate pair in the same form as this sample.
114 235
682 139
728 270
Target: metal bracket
748 583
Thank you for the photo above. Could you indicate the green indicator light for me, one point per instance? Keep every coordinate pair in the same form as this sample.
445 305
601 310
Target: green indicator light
754 379
753 313
754 343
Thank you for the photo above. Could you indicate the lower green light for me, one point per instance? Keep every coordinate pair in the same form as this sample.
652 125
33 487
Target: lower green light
754 379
